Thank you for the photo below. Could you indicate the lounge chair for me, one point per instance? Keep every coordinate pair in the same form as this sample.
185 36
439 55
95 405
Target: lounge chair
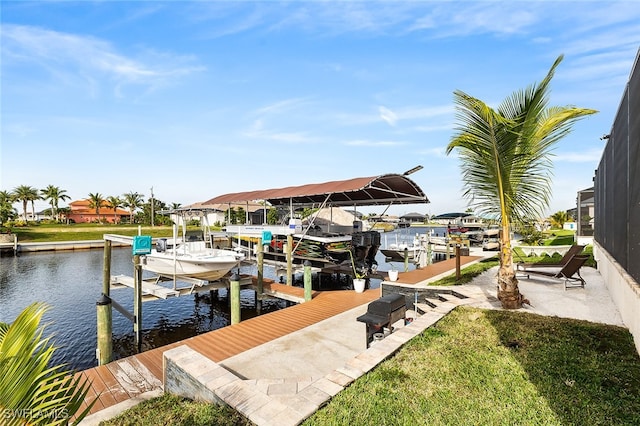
573 250
570 272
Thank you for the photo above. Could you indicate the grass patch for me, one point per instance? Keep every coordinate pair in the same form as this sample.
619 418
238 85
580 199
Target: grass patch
59 233
499 367
559 237
521 256
473 367
468 274
173 410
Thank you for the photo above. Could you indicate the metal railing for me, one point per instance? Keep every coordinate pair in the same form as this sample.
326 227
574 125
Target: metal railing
617 182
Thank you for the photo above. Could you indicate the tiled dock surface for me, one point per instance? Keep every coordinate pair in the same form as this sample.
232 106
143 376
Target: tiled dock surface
122 383
290 400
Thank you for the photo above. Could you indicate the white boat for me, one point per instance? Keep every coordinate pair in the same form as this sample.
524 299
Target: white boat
396 252
412 246
491 239
191 259
321 248
186 258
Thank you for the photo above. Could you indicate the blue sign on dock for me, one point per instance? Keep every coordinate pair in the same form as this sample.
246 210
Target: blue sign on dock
141 244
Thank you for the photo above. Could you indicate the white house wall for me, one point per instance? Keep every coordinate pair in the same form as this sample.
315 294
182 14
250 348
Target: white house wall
624 290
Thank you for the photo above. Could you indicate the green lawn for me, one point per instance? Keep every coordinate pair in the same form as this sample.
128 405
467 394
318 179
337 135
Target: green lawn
500 368
475 366
559 237
84 232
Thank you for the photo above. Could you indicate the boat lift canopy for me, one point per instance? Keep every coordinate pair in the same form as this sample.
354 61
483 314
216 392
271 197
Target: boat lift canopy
365 191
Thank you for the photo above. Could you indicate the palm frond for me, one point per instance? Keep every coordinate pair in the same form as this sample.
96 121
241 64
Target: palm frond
506 153
31 389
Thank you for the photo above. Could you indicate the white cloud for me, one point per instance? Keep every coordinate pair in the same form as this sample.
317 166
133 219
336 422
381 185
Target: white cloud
363 142
281 106
69 57
588 156
439 152
387 115
258 131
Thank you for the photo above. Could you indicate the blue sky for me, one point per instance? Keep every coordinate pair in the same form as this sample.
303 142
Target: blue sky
198 99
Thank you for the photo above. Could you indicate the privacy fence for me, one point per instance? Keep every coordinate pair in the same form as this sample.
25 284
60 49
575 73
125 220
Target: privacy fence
617 182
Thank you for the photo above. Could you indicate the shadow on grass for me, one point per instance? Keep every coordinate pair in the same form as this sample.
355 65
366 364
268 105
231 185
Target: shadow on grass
589 373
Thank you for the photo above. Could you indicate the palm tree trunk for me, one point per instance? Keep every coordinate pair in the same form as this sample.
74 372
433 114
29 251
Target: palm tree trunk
508 291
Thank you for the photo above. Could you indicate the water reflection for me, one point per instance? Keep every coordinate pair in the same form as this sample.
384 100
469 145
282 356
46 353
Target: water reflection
70 283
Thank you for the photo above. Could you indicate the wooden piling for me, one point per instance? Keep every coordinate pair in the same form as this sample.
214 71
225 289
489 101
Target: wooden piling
406 259
457 262
104 327
137 301
260 263
234 290
307 281
289 259
105 349
260 282
106 268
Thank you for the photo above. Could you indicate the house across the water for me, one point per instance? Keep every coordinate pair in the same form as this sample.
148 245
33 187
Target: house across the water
80 211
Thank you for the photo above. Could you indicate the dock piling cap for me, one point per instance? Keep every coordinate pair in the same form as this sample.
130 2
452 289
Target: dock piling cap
103 300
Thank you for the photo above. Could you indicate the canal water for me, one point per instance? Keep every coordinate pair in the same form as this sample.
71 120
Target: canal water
70 282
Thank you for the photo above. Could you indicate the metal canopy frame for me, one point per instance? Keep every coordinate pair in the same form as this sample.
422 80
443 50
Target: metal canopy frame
365 191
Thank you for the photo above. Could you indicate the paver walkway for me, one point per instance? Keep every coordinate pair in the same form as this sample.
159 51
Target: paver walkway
267 386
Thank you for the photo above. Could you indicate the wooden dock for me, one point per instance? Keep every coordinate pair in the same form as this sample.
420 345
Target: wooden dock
130 377
421 275
133 376
8 243
153 290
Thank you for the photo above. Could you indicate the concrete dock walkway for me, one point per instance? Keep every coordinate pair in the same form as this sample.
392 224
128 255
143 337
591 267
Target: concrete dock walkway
286 380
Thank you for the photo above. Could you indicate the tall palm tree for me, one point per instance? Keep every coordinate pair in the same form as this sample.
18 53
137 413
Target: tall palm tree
132 201
54 194
6 209
115 203
65 211
95 202
26 194
559 218
505 161
33 392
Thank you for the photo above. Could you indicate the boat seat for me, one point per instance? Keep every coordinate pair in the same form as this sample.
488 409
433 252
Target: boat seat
196 246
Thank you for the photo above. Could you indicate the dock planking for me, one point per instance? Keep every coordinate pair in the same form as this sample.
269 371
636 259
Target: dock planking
129 377
419 275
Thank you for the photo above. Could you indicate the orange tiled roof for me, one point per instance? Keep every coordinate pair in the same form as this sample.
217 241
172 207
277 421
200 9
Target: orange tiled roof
82 207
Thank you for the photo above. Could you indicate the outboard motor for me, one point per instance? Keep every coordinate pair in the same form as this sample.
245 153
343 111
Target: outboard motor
365 247
161 245
373 251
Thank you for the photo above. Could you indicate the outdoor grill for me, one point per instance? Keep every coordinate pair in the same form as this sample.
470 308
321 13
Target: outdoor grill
383 313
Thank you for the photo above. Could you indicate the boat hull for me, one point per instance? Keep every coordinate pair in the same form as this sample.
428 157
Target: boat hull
397 255
318 250
211 266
